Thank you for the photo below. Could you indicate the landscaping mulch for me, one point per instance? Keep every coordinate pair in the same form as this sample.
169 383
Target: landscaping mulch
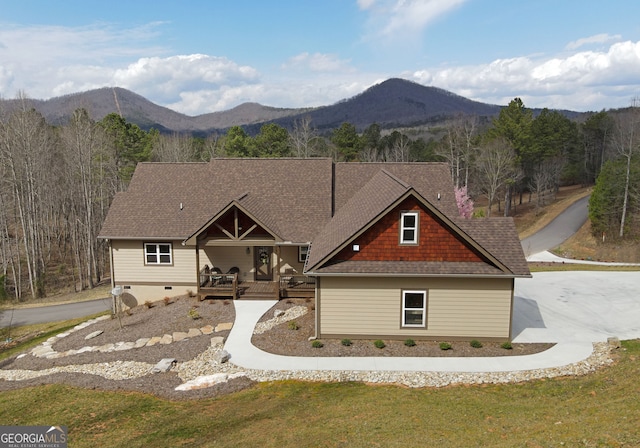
283 340
160 319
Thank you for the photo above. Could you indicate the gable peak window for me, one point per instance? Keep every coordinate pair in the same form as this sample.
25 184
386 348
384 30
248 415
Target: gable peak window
409 227
157 253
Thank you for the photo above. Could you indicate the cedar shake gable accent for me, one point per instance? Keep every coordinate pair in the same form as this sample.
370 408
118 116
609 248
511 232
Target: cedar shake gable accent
363 210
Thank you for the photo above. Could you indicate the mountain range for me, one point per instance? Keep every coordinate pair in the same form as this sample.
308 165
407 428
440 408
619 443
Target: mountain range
392 103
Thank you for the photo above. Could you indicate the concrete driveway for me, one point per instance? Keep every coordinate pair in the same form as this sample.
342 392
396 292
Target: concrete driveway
577 306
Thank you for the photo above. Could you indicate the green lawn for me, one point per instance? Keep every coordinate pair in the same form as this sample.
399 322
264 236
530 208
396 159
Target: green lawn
592 411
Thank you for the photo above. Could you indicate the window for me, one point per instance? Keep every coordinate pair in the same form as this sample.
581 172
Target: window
302 253
157 253
409 228
414 308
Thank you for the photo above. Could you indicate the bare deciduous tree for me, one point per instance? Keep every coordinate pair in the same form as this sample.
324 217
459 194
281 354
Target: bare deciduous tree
627 142
496 165
303 138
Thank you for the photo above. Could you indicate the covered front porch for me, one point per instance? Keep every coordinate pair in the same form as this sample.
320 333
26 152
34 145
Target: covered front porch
238 257
287 285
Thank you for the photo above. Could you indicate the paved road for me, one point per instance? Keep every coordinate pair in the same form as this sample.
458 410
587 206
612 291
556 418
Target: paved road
53 313
558 230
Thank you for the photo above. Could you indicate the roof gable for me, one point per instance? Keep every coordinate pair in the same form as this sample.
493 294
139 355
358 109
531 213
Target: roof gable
234 222
362 209
292 197
367 214
430 180
436 241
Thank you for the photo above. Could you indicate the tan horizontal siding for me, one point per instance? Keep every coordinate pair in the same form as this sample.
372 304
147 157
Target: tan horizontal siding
289 259
226 257
128 264
455 307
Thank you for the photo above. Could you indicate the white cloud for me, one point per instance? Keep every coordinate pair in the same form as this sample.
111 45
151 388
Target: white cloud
366 4
402 19
48 60
586 80
166 78
596 39
53 61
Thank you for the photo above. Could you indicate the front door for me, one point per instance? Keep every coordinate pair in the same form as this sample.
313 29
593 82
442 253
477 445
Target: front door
262 262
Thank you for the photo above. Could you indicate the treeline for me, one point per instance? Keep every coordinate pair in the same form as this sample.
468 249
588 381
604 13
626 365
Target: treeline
56 183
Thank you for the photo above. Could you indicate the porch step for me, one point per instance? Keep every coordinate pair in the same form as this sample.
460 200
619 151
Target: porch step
257 296
258 291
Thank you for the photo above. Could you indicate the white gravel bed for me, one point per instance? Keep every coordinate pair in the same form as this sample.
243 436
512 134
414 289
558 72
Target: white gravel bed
205 365
290 314
600 357
117 370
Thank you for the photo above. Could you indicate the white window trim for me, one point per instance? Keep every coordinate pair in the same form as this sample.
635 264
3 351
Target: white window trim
157 254
415 228
423 308
303 251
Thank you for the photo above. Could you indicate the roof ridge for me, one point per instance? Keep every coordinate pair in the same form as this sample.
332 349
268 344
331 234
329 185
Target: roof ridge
396 178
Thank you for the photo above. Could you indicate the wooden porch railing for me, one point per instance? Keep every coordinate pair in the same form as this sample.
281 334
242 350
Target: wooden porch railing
218 285
297 285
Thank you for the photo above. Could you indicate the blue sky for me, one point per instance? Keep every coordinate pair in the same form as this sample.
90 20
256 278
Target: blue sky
205 56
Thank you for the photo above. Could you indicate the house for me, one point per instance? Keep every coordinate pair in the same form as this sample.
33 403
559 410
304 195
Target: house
380 246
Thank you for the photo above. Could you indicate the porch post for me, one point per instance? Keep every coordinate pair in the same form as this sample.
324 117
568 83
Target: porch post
198 270
277 276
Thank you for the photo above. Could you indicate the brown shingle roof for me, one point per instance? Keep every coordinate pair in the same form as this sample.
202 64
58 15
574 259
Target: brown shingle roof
500 238
293 195
428 179
496 237
293 198
363 207
410 268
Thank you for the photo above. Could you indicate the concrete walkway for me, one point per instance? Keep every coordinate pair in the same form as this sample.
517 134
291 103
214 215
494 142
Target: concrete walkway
246 355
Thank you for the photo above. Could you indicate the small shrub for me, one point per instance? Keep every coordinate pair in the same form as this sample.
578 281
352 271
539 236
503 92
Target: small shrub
317 344
507 345
293 325
476 344
226 302
410 343
190 293
445 346
166 301
346 342
289 301
148 304
128 312
479 213
379 343
193 314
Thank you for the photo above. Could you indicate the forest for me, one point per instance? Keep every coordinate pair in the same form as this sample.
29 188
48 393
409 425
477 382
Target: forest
57 182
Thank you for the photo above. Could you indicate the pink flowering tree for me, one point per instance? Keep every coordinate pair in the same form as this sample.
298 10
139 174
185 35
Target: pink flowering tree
464 202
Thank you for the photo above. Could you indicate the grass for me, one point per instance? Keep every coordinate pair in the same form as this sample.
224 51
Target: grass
595 410
99 292
28 336
553 267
